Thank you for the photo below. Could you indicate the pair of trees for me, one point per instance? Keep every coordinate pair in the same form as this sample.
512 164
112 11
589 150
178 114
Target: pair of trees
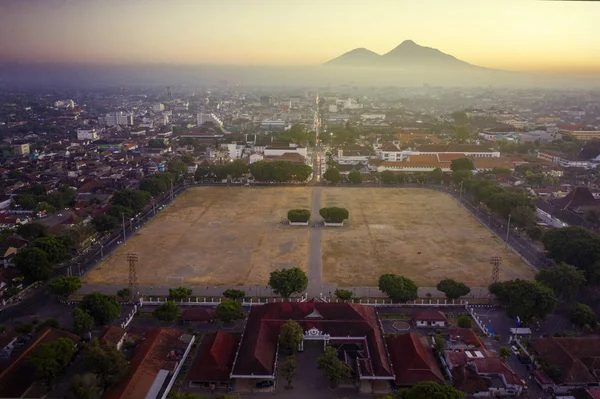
179 293
335 370
334 214
298 215
398 288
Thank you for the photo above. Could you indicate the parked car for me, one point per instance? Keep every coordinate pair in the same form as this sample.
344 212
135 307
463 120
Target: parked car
514 349
265 384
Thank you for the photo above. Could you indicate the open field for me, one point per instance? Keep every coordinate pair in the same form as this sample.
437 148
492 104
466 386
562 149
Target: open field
214 236
421 234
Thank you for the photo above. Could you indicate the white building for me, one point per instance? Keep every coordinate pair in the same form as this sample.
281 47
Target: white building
69 104
389 152
333 108
276 151
256 157
87 134
158 107
273 124
352 103
203 118
234 150
368 117
117 118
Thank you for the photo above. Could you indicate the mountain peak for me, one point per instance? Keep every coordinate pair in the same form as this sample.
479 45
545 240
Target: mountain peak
408 43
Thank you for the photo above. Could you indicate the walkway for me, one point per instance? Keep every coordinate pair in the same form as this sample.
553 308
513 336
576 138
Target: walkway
315 262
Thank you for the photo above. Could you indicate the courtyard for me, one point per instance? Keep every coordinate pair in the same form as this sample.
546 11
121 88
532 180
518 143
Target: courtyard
422 234
234 236
214 235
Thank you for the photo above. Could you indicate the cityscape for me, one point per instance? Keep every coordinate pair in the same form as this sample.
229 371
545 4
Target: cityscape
396 224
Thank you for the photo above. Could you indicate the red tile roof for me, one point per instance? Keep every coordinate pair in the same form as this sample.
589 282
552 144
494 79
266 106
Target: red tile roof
429 315
150 356
112 335
467 336
495 365
259 343
389 147
413 360
570 356
214 359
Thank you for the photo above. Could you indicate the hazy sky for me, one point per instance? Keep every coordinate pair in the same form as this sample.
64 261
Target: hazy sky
508 34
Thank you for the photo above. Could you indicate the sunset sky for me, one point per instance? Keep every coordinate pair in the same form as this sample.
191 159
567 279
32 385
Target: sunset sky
505 34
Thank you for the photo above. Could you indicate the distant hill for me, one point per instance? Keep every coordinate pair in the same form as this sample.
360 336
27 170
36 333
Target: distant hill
407 55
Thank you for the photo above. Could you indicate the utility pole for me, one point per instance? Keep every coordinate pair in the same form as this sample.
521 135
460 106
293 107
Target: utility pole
133 284
124 232
101 251
171 190
461 186
507 232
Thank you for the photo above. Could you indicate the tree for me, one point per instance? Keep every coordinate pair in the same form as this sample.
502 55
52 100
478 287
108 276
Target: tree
82 321
398 288
387 177
464 321
462 164
582 315
565 280
436 175
430 390
592 216
54 248
355 177
33 264
179 293
65 285
461 134
290 336
575 246
461 176
229 310
298 215
135 200
233 294
107 362
288 370
344 295
505 353
286 282
439 343
332 175
124 293
85 386
460 117
528 300
334 214
52 323
335 370
44 207
453 289
105 222
103 308
535 232
50 358
168 311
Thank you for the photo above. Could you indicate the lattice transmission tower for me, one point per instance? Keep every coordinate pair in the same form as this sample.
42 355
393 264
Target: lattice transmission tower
133 284
495 261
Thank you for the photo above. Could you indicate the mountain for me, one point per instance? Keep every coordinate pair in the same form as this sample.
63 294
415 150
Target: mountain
407 55
356 57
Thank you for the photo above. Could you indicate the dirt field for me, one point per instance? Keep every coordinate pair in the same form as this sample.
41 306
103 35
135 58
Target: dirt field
215 236
421 234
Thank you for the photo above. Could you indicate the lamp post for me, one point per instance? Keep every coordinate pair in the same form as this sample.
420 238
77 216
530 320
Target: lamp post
507 231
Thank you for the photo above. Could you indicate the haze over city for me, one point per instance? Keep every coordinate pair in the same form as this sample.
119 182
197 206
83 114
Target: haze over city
511 35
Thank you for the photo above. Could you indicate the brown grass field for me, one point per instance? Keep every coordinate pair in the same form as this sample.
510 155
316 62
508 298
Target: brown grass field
389 227
214 236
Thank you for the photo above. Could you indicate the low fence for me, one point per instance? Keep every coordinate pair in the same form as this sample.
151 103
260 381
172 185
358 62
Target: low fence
130 317
479 321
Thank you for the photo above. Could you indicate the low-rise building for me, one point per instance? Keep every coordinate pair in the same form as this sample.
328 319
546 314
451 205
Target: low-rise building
430 318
